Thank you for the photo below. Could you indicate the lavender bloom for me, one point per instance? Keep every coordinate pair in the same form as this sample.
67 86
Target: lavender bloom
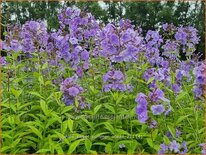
157 109
176 88
141 108
199 72
163 149
2 61
71 90
184 147
203 146
174 146
153 124
156 95
113 80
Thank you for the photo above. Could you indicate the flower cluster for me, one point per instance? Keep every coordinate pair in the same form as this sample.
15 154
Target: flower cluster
199 72
121 43
113 80
154 98
141 108
173 147
2 61
72 92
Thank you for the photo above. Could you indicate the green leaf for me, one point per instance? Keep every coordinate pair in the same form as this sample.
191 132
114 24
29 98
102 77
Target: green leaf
64 127
108 148
41 79
166 140
109 108
70 124
172 131
88 144
150 142
109 127
44 107
58 148
36 94
36 131
66 109
181 96
96 109
45 65
16 93
150 80
73 146
154 134
95 136
181 118
43 151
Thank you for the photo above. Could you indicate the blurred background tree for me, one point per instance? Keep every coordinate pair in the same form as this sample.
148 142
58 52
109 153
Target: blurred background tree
147 15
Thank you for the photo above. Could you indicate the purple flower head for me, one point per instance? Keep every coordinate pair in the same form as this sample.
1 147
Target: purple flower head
141 108
184 148
156 95
70 90
113 80
114 39
2 61
141 99
153 124
176 88
15 46
85 55
174 146
163 149
203 146
73 91
178 132
157 109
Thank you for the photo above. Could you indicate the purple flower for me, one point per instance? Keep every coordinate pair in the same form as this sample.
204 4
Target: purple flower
15 46
153 124
176 88
73 41
141 108
73 91
85 55
157 109
2 61
156 95
114 39
174 146
203 146
163 149
184 147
